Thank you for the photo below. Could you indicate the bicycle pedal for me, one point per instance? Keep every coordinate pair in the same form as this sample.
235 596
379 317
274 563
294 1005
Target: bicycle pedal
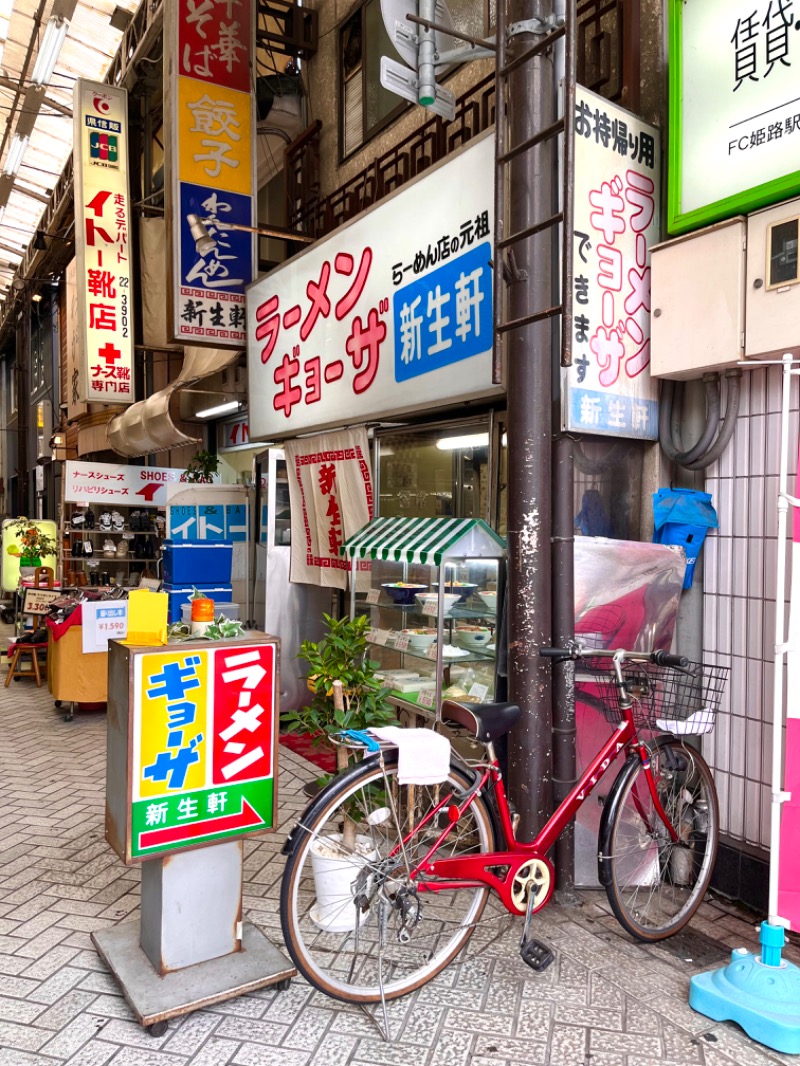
536 954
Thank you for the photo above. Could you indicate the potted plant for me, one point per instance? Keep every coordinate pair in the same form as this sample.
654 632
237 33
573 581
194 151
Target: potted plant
35 544
346 695
201 468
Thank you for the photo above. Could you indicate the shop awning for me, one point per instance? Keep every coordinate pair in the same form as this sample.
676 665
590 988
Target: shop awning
423 540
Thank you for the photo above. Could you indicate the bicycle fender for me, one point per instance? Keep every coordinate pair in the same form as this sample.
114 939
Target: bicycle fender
341 780
607 818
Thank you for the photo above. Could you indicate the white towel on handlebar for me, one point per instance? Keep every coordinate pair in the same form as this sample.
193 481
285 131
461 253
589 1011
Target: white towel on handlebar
423 756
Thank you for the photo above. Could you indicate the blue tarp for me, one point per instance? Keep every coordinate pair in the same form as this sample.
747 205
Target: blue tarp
683 516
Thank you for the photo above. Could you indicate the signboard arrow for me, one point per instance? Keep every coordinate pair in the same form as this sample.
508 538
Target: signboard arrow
172 834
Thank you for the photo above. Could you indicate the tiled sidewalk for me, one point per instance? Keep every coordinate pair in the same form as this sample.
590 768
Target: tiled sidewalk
605 1002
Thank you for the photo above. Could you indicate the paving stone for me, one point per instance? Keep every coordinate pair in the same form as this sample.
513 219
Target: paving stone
17 1010
73 1036
191 1033
65 1009
136 1056
22 1037
248 1029
249 1055
215 1053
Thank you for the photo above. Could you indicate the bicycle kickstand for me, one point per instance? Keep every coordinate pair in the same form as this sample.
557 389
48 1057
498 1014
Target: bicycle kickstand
535 953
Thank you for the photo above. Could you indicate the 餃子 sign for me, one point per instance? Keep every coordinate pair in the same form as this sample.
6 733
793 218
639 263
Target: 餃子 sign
734 108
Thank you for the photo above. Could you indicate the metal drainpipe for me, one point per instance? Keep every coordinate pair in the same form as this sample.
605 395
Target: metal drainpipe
529 392
23 403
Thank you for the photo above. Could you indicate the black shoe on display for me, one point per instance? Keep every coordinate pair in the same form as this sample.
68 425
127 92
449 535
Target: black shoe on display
89 518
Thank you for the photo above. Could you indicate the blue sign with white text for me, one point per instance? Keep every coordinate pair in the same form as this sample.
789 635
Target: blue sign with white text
445 316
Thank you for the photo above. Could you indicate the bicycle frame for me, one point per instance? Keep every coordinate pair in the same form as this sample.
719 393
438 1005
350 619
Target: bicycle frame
472 871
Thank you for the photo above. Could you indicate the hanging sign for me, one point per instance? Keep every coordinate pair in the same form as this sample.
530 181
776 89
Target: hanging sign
208 62
122 485
390 313
102 244
203 747
735 66
608 388
330 493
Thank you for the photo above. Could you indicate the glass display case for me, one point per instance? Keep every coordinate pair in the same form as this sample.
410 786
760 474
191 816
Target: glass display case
433 592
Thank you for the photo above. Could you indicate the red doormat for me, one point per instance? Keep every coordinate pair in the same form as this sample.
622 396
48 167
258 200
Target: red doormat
302 744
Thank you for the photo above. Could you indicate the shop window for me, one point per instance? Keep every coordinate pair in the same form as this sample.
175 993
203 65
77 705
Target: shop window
435 472
366 107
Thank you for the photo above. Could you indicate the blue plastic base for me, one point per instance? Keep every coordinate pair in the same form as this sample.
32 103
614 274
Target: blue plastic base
763 1000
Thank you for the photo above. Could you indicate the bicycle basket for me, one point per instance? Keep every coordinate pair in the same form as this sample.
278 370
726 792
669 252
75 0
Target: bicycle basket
680 700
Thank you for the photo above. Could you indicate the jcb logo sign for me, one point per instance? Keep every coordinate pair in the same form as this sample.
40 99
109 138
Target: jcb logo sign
103 147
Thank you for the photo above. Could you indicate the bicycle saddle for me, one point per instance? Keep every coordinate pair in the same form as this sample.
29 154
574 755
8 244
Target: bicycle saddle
486 721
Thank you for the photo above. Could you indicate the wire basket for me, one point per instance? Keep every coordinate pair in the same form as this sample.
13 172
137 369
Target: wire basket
672 699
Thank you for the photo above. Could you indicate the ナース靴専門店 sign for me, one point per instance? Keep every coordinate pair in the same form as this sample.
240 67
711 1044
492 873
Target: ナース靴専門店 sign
608 388
102 244
734 108
391 313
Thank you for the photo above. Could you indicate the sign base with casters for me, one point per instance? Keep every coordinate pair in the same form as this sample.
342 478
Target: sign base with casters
190 948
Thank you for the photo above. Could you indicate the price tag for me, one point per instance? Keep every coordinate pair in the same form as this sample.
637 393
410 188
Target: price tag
430 651
480 691
373 595
401 643
430 605
378 636
426 697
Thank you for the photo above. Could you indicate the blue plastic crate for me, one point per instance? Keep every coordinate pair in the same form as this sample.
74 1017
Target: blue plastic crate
189 562
180 594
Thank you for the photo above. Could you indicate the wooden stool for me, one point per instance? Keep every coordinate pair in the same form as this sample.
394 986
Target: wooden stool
15 662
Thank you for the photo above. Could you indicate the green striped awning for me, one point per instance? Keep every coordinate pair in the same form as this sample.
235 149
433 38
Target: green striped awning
423 540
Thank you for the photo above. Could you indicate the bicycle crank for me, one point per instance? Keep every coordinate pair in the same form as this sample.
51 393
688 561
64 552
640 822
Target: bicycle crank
533 879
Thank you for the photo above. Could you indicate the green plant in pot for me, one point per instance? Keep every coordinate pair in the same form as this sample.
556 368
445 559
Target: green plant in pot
346 695
35 544
201 468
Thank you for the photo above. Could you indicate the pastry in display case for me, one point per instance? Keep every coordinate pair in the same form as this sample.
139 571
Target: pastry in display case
432 601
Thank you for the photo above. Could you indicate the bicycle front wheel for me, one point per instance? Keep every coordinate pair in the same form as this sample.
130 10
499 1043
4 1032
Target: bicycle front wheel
655 884
354 922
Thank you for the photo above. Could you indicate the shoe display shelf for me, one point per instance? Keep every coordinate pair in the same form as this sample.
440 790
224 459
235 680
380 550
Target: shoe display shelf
102 547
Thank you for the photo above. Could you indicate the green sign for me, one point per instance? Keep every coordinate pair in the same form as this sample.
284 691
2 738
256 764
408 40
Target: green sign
734 123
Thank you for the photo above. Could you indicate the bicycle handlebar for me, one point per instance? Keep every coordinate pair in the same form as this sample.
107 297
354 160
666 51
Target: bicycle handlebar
660 658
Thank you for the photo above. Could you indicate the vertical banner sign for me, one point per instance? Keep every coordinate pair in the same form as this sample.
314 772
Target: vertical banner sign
608 389
208 62
102 244
391 313
735 63
789 868
203 747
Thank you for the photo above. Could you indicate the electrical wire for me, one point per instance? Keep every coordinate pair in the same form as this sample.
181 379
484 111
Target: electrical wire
672 396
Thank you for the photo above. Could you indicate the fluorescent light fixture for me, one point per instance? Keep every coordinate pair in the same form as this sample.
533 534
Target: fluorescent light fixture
203 241
15 154
221 409
470 440
47 56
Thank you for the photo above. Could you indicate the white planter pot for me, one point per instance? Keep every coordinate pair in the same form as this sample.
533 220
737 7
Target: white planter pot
334 874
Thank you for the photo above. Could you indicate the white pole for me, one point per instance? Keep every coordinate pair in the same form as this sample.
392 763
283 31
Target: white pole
781 648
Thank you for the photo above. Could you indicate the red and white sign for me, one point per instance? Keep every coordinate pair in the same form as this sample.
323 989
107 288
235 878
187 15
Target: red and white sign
102 243
389 314
243 708
234 434
330 491
127 486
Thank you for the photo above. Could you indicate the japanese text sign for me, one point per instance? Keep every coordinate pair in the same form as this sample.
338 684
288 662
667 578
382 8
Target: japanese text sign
39 601
128 486
208 58
330 491
734 108
101 622
203 747
102 244
608 389
391 313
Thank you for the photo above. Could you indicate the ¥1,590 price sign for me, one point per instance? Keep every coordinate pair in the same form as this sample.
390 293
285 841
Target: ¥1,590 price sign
203 766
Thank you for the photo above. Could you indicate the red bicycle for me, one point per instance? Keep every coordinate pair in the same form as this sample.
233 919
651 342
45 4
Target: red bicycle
385 882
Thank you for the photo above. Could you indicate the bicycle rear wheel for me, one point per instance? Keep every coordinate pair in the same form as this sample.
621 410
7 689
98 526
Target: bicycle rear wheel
655 885
371 930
